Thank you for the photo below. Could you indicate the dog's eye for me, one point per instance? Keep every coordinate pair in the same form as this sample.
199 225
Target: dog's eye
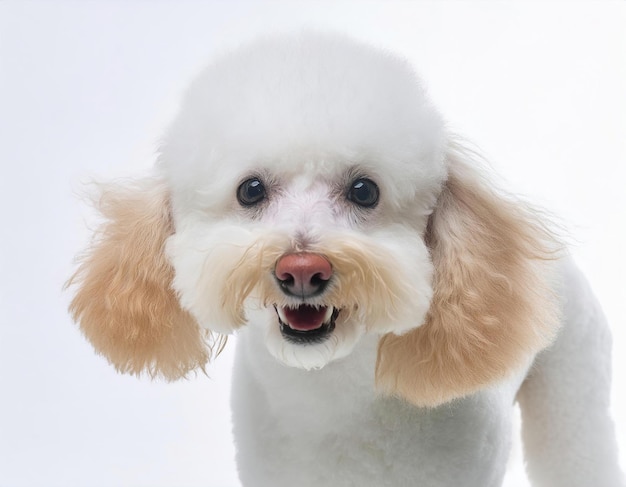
363 192
251 192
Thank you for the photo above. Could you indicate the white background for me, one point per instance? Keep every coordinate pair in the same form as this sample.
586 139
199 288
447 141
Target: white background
85 88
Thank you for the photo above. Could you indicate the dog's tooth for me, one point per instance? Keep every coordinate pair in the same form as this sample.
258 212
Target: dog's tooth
329 314
281 314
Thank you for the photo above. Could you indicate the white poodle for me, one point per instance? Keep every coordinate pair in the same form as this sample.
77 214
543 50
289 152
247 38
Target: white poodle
390 307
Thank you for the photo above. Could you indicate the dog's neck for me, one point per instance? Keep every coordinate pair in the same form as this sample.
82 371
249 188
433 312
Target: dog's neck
345 380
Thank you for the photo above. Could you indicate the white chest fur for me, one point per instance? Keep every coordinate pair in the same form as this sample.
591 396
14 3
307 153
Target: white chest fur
329 427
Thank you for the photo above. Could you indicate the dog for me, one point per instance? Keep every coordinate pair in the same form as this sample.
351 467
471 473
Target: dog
390 304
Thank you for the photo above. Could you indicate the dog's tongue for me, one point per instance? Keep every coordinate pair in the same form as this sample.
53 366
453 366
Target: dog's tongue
305 317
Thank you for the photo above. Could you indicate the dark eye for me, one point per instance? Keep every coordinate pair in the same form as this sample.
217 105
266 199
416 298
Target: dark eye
251 192
363 192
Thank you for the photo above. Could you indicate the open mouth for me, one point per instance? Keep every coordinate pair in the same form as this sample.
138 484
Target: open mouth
306 323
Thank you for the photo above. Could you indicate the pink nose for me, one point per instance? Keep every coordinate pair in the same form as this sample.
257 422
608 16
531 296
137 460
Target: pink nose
303 274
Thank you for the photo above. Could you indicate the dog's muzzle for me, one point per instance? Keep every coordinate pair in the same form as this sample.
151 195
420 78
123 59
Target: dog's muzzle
305 275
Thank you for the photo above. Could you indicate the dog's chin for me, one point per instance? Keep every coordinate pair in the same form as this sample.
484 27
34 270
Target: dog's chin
309 337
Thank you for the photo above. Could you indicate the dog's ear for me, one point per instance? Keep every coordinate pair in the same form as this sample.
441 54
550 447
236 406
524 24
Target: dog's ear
124 302
492 307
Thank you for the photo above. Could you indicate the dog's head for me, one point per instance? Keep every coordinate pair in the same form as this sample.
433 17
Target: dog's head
308 188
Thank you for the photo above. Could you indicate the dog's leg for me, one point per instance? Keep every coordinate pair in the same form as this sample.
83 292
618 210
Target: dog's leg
568 434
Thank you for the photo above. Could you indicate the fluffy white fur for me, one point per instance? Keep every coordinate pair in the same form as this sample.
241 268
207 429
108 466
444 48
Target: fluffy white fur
449 301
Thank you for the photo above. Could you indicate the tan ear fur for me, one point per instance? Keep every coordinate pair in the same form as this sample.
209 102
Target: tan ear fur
493 307
124 303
